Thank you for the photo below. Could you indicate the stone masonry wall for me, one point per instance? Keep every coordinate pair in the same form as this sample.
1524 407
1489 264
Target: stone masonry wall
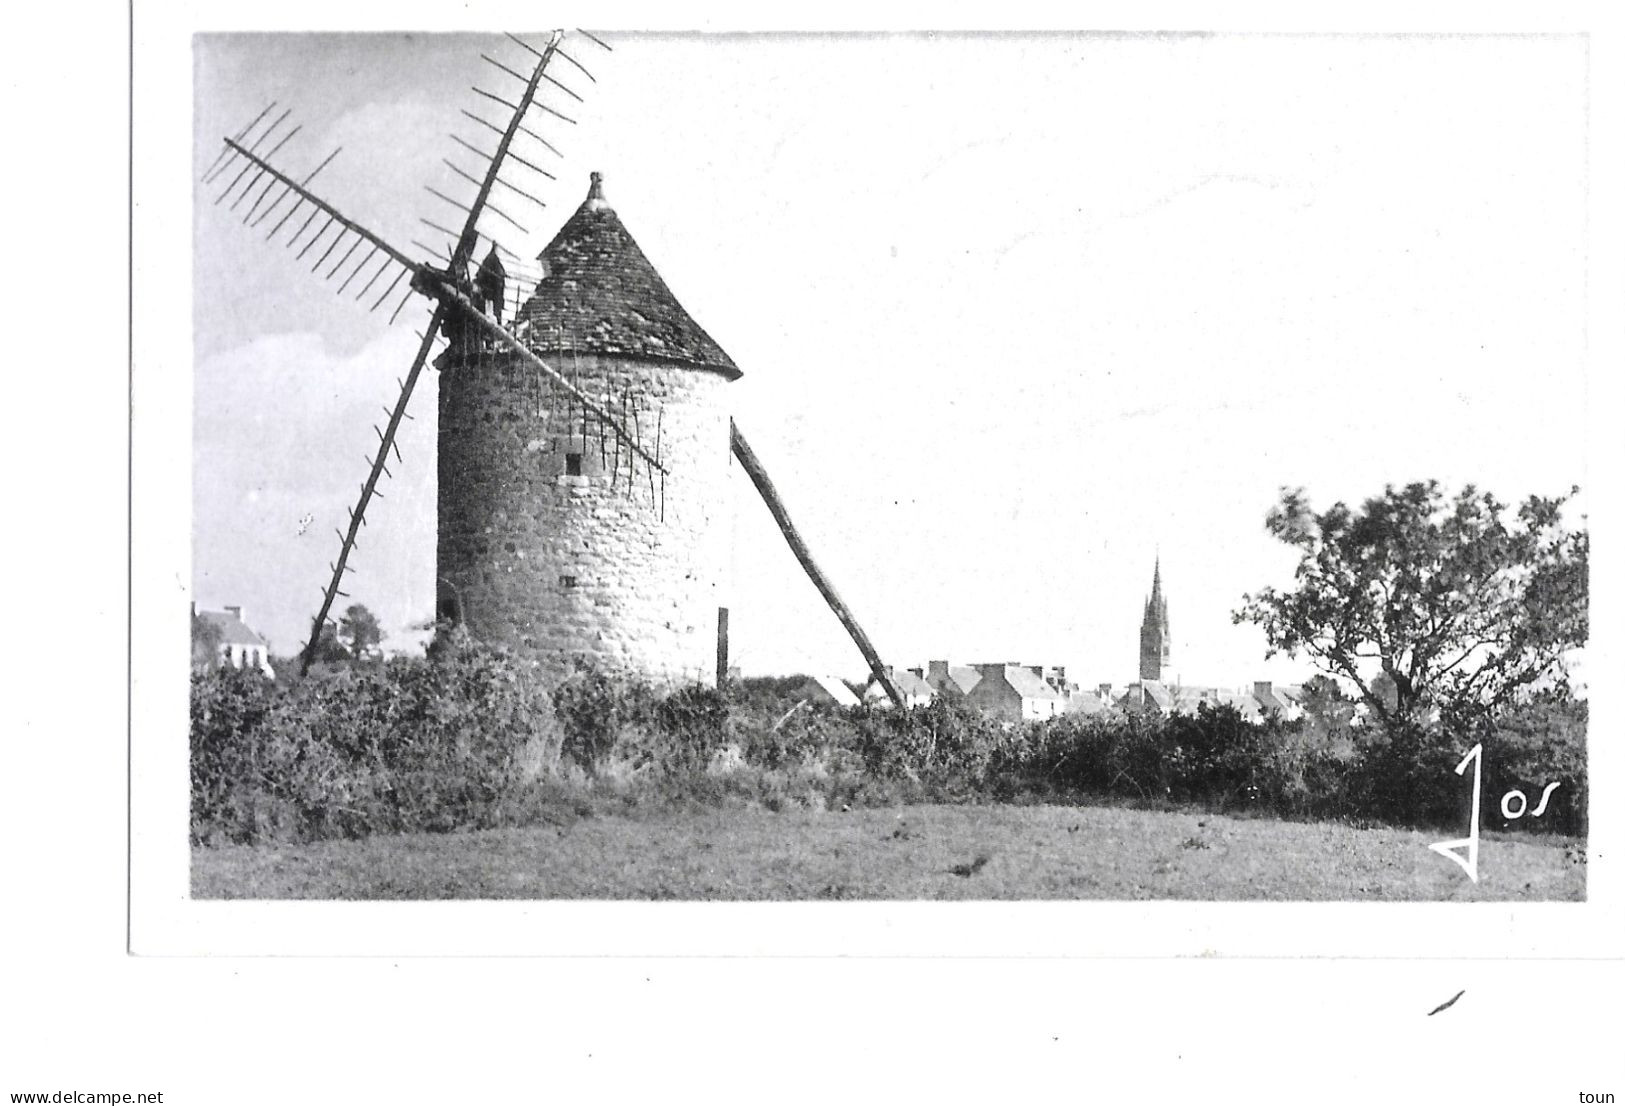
556 565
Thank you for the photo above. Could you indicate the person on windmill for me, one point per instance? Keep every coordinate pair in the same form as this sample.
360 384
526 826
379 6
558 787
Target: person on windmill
491 284
485 291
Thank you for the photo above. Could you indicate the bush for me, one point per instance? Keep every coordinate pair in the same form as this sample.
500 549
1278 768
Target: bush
602 713
230 771
693 725
467 737
1220 760
801 734
1408 777
944 743
412 744
1304 773
1530 748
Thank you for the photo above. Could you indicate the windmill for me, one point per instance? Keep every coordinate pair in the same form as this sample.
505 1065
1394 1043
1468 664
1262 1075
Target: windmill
582 426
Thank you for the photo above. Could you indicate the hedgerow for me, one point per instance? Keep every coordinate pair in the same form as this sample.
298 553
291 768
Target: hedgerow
469 738
407 745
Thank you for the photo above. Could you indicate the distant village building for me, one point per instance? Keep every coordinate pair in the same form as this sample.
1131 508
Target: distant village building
239 645
1015 693
1156 692
1253 704
1286 700
1086 701
827 690
951 678
911 684
1017 690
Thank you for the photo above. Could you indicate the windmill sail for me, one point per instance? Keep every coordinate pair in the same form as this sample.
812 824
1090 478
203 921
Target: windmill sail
471 310
449 288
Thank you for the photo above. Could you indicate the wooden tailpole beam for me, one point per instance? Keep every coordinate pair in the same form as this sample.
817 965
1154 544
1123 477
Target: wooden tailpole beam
758 476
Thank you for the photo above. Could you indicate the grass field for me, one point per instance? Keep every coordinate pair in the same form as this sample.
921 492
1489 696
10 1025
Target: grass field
916 852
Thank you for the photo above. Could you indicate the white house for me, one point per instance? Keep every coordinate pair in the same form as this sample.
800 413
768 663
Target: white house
1253 705
951 678
1015 693
829 689
240 646
1081 700
911 685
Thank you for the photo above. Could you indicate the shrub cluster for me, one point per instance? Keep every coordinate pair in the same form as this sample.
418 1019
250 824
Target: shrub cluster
401 746
469 738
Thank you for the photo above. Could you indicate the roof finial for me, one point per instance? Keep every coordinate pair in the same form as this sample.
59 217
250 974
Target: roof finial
595 194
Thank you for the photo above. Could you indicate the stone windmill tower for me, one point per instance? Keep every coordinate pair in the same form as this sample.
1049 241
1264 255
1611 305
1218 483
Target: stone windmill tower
584 444
554 538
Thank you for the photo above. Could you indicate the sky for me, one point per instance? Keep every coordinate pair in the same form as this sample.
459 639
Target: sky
1017 314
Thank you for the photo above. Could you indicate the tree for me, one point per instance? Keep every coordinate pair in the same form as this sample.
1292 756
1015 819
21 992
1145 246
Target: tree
1327 712
1425 603
360 632
205 643
327 648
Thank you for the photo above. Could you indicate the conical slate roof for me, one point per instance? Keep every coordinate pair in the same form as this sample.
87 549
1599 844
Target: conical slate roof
599 294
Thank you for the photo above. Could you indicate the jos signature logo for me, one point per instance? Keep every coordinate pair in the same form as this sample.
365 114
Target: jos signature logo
1468 856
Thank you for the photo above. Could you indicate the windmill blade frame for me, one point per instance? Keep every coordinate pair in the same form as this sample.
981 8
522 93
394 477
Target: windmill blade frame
386 443
453 295
470 236
444 289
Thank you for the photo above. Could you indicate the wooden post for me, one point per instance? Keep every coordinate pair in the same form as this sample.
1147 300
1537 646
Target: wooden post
722 647
775 505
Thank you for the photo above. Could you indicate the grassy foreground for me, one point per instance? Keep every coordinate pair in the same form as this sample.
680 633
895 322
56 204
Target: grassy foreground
915 852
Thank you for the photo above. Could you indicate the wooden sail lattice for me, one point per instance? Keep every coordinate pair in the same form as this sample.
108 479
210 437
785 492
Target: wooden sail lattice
441 276
446 287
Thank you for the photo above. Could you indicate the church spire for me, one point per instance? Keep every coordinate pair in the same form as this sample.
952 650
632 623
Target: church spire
1154 634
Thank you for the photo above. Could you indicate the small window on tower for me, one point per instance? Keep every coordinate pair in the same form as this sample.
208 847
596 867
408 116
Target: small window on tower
572 464
567 581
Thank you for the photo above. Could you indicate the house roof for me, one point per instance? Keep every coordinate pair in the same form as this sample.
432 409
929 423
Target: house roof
1187 699
1086 702
1290 695
835 689
600 294
233 630
908 685
1028 684
1277 699
1154 690
964 677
